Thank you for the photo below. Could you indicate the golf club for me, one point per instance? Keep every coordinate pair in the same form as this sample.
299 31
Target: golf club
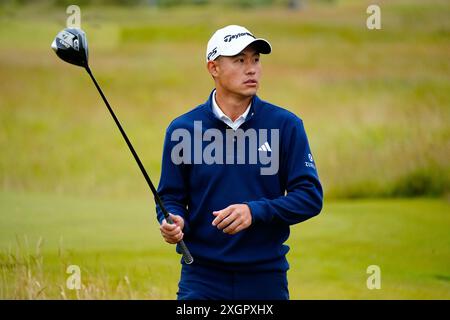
71 46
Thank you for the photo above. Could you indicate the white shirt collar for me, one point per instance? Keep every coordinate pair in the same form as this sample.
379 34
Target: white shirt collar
222 116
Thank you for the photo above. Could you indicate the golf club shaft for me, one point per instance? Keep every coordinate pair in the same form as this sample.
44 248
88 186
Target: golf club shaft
184 250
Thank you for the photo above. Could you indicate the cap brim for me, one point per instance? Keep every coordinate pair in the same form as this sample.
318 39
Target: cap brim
261 46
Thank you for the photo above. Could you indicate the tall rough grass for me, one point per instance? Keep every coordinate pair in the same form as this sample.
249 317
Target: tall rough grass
26 275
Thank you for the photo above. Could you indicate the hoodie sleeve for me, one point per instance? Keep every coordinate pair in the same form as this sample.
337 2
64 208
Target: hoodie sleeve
172 185
304 194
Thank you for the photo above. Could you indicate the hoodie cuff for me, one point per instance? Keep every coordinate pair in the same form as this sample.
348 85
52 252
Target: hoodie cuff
260 211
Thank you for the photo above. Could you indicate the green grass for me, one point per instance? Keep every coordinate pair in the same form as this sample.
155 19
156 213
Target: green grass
111 239
108 239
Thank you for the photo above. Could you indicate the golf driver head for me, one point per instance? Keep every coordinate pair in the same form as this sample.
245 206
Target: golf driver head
71 46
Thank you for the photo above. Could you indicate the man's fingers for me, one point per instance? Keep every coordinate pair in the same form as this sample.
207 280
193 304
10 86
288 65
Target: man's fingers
168 230
222 214
227 221
173 239
168 226
233 227
172 232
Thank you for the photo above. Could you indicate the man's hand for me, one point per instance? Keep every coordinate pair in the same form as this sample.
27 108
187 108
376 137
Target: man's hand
233 218
172 233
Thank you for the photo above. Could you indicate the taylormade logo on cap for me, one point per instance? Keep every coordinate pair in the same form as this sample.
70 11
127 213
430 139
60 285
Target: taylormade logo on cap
231 40
230 37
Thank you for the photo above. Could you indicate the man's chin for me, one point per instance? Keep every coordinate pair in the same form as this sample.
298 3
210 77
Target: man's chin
249 92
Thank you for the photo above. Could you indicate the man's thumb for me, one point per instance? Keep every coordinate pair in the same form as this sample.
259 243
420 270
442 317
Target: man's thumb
175 218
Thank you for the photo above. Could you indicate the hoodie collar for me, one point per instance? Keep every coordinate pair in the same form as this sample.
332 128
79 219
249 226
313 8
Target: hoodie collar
254 108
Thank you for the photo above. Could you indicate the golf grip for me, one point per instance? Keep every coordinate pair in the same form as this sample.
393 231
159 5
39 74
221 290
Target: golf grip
187 257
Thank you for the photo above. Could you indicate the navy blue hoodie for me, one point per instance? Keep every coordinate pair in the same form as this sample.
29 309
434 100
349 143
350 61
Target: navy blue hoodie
193 184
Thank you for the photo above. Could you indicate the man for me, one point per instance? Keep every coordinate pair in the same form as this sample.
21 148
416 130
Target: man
236 173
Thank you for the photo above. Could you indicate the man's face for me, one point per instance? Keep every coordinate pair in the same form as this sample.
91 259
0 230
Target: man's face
238 75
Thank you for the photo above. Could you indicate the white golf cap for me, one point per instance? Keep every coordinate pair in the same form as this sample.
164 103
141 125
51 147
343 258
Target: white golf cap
231 40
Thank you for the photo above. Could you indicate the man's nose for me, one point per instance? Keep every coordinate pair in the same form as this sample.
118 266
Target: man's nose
250 68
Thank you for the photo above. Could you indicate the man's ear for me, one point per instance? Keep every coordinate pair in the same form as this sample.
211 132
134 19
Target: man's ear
213 68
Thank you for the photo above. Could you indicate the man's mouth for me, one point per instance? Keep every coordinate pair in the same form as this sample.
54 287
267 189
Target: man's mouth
251 82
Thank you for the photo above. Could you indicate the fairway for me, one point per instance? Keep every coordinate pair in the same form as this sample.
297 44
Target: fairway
117 245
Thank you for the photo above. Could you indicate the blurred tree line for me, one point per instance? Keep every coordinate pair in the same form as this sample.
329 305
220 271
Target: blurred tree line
293 4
